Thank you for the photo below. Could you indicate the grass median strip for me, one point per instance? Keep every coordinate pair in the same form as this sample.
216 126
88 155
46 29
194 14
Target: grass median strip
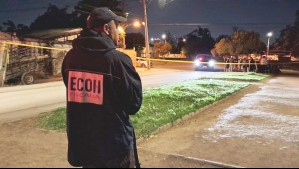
169 103
162 105
238 76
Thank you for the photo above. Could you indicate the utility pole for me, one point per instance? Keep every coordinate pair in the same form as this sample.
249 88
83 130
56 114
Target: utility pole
147 49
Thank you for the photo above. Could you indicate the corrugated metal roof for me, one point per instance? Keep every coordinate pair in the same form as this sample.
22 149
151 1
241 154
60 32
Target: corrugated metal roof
53 34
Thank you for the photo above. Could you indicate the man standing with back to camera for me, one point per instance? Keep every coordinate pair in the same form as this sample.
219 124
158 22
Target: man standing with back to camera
103 89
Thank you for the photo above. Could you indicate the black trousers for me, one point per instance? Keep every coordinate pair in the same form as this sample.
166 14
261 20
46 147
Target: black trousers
125 161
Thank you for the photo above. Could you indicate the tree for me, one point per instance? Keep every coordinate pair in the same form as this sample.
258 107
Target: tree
85 7
157 47
289 38
10 26
53 18
165 49
199 41
135 39
221 37
297 19
224 47
181 45
237 29
240 42
161 48
214 52
183 51
171 39
245 42
22 29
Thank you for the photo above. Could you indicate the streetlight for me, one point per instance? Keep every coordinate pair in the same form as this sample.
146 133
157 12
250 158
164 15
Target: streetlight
269 35
164 37
122 30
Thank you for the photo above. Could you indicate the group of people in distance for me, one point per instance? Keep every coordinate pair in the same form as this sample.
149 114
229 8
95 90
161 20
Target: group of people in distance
245 64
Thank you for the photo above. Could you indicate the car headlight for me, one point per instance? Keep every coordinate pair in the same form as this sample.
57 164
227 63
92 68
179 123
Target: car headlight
197 63
212 63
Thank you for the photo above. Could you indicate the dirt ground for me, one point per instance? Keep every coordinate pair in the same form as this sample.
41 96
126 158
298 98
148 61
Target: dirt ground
218 134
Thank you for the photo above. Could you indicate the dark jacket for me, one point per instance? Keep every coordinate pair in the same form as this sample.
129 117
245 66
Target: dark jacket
103 89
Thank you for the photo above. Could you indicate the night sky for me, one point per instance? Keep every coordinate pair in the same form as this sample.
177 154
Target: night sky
217 15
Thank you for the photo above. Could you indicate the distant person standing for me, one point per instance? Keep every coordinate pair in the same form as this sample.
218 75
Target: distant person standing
231 64
226 68
264 64
103 89
244 64
239 59
251 63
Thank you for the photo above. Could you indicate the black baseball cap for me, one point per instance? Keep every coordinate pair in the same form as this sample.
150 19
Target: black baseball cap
104 15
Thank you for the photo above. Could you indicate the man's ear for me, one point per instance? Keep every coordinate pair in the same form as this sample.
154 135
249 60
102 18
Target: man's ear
88 22
107 29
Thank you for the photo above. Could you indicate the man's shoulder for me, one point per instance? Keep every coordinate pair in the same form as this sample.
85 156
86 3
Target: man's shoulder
118 55
69 54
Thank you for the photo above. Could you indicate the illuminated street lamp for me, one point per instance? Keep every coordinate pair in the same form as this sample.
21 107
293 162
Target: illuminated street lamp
137 24
164 37
269 35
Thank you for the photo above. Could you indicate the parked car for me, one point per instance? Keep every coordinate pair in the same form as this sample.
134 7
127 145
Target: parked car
204 61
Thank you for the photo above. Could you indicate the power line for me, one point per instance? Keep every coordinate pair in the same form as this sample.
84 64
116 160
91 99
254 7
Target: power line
82 11
169 2
216 24
149 3
87 6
